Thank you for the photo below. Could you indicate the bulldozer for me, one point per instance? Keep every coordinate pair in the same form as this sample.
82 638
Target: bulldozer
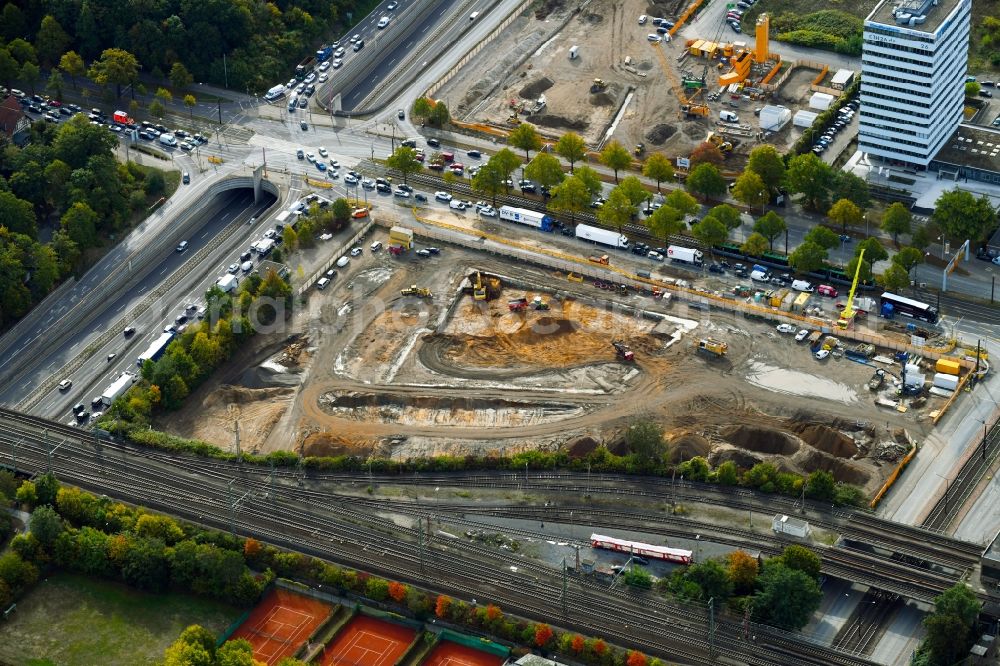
712 347
622 351
598 86
538 304
414 290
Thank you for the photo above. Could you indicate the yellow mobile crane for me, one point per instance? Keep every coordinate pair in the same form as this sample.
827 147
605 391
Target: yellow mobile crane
847 314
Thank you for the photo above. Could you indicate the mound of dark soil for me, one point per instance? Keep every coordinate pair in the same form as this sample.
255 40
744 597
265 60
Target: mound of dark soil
743 459
535 88
687 446
582 447
660 133
592 19
547 8
761 440
556 121
842 470
619 447
826 439
602 99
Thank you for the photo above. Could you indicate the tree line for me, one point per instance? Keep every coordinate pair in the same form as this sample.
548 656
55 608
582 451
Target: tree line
66 177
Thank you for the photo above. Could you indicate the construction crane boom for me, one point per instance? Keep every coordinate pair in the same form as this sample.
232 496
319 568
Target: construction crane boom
847 314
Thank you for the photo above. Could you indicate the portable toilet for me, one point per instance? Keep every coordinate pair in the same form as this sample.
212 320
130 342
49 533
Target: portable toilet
574 52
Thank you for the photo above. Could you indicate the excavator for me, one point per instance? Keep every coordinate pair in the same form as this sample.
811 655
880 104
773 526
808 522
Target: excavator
720 143
622 351
479 289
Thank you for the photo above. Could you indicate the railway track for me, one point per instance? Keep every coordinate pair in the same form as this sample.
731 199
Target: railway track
862 630
959 490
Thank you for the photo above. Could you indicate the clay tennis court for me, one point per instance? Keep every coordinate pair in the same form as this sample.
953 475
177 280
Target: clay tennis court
452 654
366 641
281 623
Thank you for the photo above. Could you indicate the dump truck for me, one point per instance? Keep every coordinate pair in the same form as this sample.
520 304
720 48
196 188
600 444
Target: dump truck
814 340
622 351
303 68
685 255
875 383
517 304
712 347
603 259
414 290
574 277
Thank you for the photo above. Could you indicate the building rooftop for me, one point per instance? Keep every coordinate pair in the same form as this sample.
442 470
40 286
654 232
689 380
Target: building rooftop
934 14
10 114
973 146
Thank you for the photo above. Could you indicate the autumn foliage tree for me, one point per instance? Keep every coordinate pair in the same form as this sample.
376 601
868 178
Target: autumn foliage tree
442 605
636 658
706 152
543 634
742 569
577 644
397 591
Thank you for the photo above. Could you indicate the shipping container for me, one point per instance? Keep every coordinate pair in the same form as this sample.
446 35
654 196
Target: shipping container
947 366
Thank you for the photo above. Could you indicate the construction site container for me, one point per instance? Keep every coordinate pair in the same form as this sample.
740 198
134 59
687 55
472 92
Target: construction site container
695 48
788 301
800 301
401 236
821 101
941 380
803 118
842 79
777 297
947 366
790 525
773 117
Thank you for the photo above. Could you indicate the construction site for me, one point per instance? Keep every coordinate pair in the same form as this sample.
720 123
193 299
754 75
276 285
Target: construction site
468 354
598 72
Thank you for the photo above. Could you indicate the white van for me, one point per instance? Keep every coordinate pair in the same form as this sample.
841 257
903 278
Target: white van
168 140
802 285
275 93
343 261
473 16
322 283
728 116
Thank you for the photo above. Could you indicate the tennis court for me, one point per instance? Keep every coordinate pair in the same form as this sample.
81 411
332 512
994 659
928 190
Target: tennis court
367 641
281 623
447 653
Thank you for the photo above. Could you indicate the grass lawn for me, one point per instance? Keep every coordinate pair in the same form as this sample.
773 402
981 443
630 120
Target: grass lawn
69 620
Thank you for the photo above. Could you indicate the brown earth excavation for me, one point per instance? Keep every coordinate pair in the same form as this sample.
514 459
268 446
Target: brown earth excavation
827 439
761 440
687 446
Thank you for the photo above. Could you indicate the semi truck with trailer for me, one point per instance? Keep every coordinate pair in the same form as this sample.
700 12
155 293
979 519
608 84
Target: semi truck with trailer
684 255
117 388
323 54
526 217
156 348
601 236
303 68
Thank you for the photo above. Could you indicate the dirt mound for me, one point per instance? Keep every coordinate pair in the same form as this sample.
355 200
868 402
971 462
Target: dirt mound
547 8
826 439
556 121
842 470
687 446
592 19
226 395
761 440
582 447
743 459
602 99
328 444
536 88
619 447
660 133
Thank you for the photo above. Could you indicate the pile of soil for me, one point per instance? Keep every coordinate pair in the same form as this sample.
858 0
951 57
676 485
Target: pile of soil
592 19
827 440
602 99
557 121
842 470
619 447
761 440
687 446
536 88
660 133
226 395
582 447
547 8
742 459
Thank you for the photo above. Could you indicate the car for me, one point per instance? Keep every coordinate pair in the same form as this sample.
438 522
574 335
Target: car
336 63
401 193
475 154
321 166
419 196
996 261
356 251
802 335
822 354
985 93
433 250
423 253
65 384
735 26
818 149
383 22
350 180
355 37
654 38
392 5
247 266
322 151
455 204
187 147
311 157
716 268
442 196
654 255
304 126
323 78
83 417
340 50
405 188
488 211
642 19
186 178
358 45
270 234
433 143
383 187
112 356
785 328
182 247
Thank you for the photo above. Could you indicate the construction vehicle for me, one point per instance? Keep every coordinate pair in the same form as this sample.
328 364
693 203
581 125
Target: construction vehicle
875 383
603 259
622 351
414 290
478 290
517 305
482 286
598 86
720 143
639 149
538 304
712 347
847 314
574 277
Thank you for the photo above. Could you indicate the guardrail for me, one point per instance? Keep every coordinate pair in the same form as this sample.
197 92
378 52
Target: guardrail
94 302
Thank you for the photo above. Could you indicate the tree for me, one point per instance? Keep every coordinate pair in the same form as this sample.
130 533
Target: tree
710 231
712 579
30 75
617 211
682 202
616 157
571 148
72 64
770 226
636 658
894 278
807 257
404 160
439 115
9 68
962 216
46 526
80 222
633 190
665 221
896 220
441 606
727 474
728 215
525 137
449 179
490 181
506 162
755 245
290 238
645 440
164 95
47 487
750 190
845 213
659 168
810 176
590 178
766 162
54 86
865 274
51 41
571 196
543 634
848 186
822 237
544 169
949 627
27 494
116 66
820 485
874 251
180 77
801 558
190 102
706 180
156 109
908 258
742 569
17 214
972 89
787 598
706 152
341 210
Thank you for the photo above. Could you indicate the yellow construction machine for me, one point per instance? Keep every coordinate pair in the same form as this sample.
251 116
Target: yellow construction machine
414 290
598 86
712 347
720 143
478 289
848 313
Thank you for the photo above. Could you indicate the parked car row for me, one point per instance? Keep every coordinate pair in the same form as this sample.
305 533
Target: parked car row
844 117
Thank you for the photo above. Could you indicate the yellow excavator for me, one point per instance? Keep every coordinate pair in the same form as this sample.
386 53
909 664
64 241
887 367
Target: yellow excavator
847 314
479 290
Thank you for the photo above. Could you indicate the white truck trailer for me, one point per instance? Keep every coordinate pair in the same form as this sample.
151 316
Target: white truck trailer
601 236
530 218
117 388
685 255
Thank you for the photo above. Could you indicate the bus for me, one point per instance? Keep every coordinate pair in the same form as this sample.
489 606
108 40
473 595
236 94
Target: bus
893 304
